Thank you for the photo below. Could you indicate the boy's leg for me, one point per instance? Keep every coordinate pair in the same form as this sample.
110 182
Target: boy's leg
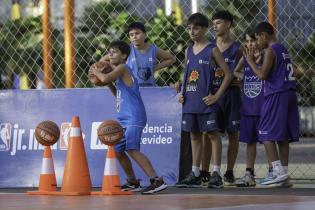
232 121
232 152
205 159
132 183
232 149
216 179
144 163
284 152
250 155
133 138
126 165
196 148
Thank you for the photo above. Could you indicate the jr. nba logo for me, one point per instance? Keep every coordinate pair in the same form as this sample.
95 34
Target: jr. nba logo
5 136
64 135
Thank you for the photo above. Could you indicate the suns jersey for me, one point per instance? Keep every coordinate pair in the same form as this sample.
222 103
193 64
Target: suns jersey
129 104
143 64
198 80
231 58
253 92
281 76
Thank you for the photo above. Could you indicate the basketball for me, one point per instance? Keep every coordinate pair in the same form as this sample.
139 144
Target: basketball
101 66
47 133
110 132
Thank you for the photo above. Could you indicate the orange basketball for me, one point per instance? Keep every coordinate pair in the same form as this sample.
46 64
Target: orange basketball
47 133
102 66
110 132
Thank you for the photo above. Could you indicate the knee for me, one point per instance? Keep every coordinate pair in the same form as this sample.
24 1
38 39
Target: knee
120 155
132 153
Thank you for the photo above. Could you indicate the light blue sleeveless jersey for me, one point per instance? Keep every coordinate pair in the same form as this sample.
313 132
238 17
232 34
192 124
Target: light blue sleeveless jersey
143 64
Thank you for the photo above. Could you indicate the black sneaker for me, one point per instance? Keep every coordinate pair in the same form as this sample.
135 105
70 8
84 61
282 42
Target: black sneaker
156 185
229 179
215 180
205 178
131 185
190 181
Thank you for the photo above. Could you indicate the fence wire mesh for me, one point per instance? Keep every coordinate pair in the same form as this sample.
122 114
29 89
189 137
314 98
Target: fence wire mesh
98 22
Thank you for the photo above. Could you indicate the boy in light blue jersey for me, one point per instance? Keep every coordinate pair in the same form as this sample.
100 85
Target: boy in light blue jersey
131 115
145 58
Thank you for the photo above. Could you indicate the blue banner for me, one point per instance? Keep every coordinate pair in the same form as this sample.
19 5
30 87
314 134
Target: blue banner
21 111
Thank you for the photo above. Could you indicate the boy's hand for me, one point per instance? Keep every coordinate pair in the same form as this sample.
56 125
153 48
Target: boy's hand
249 54
210 99
178 86
181 99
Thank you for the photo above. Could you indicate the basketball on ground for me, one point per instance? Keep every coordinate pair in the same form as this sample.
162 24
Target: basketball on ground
110 132
101 66
47 133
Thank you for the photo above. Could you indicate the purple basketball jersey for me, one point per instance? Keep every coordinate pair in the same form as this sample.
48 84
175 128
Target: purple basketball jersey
198 80
281 77
253 95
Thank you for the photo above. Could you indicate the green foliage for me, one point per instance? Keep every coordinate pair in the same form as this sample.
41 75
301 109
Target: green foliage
163 31
20 46
97 16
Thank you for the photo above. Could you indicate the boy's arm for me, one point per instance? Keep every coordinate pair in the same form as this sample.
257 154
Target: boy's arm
166 59
269 59
219 59
112 88
238 71
108 78
180 88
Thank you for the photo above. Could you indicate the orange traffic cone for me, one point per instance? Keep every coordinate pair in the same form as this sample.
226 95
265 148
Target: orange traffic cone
76 178
47 179
111 179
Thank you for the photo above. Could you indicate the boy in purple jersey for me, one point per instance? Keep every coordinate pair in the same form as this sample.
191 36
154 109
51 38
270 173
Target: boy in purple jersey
131 115
199 100
252 95
230 102
279 122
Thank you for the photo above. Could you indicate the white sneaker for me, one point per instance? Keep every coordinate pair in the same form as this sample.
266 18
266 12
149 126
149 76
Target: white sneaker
248 180
277 179
284 184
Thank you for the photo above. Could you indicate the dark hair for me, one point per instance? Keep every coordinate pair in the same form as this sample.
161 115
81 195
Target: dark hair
224 15
198 19
136 25
122 46
250 32
264 27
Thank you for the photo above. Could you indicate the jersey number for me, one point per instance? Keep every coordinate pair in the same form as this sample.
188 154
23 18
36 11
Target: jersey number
290 70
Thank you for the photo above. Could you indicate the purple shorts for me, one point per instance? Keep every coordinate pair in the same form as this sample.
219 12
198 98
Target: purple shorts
229 110
249 129
206 122
279 119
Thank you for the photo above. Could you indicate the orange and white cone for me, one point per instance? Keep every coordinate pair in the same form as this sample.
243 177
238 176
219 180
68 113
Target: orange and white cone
76 178
111 179
47 179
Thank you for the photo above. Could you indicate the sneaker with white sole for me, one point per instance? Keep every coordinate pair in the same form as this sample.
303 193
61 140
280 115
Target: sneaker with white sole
156 185
269 176
280 177
191 181
284 184
248 180
131 185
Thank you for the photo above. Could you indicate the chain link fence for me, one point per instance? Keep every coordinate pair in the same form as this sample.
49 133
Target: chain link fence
99 22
